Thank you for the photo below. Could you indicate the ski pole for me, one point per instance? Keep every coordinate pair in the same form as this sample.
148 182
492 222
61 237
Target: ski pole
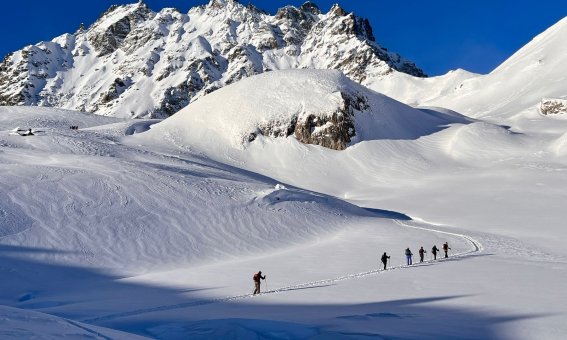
266 279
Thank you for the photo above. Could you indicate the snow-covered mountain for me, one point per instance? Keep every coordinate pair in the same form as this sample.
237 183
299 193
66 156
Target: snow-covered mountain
134 62
153 228
321 107
532 78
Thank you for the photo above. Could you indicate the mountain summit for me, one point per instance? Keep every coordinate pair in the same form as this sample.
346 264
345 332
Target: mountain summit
134 62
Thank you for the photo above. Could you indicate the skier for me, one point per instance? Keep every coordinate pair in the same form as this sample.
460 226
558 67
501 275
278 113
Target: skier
408 256
385 260
421 253
446 249
256 279
434 251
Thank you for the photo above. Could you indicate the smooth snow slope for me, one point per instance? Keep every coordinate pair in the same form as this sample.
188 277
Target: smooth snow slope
512 91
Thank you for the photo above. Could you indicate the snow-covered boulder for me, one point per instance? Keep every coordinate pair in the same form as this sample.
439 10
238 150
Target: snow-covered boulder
321 107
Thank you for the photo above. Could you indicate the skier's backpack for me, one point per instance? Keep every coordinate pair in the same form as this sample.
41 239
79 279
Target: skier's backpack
256 277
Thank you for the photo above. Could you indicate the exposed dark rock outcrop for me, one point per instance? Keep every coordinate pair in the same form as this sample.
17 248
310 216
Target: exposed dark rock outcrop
333 130
107 38
549 106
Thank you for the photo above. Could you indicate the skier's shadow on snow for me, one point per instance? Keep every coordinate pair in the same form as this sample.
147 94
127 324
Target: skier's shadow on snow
99 298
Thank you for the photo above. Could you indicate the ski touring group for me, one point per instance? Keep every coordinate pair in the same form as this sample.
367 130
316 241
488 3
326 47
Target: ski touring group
422 252
257 277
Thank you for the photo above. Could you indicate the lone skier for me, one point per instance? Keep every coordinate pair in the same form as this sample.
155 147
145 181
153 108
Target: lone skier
434 251
446 249
385 260
421 253
256 279
408 256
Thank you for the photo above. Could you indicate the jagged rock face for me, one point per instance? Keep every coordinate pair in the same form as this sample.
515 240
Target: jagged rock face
550 106
333 130
134 62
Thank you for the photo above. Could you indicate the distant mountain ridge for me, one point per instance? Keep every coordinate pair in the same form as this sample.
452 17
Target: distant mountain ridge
134 62
532 76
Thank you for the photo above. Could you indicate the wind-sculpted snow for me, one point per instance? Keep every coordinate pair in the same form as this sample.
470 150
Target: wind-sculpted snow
26 324
134 62
560 145
473 142
106 204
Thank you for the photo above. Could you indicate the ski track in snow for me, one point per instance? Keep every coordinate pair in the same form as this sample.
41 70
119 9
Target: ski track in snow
476 247
88 330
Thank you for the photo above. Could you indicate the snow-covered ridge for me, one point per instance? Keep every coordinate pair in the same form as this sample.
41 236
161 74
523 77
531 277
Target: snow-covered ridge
134 62
321 107
513 90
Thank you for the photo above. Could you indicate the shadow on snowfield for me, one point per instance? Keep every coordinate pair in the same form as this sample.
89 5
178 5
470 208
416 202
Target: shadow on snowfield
29 281
398 319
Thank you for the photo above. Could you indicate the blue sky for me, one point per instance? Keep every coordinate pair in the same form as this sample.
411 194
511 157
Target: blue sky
438 35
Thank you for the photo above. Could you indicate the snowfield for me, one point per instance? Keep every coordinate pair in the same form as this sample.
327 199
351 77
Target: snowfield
126 229
97 228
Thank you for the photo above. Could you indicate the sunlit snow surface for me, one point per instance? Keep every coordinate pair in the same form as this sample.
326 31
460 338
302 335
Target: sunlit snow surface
114 231
511 93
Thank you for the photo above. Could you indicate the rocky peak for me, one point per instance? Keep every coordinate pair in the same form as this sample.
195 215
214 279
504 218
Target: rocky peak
108 33
221 3
310 7
290 13
363 29
255 9
337 11
81 28
173 58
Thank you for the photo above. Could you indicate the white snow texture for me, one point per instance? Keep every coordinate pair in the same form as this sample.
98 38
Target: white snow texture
148 228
